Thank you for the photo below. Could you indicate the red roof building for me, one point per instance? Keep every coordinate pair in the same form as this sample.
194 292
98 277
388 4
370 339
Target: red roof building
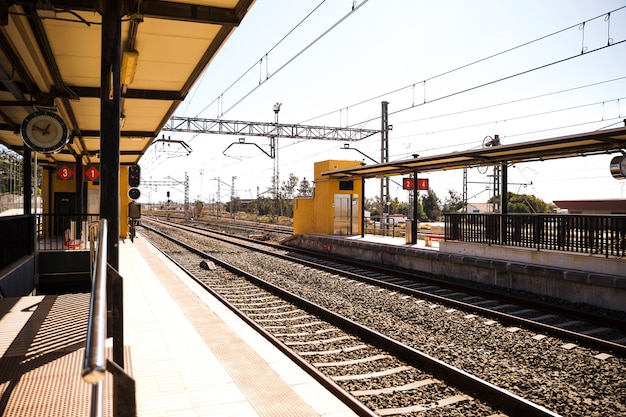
611 206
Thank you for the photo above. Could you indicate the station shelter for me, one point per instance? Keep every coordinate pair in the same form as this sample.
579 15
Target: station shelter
335 208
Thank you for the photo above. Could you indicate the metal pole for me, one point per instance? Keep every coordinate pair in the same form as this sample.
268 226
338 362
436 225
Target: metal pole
186 200
276 166
110 96
232 197
384 157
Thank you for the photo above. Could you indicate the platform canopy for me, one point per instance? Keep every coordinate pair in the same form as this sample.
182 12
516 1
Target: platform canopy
590 143
50 59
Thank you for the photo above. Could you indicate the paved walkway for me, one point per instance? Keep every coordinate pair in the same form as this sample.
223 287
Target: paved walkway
191 356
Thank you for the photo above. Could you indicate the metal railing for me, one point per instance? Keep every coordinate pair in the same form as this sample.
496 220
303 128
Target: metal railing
592 234
63 231
386 226
95 363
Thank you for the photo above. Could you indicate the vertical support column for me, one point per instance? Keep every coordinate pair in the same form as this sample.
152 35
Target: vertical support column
464 190
27 174
362 207
415 211
504 202
276 179
27 180
186 200
110 94
79 207
384 157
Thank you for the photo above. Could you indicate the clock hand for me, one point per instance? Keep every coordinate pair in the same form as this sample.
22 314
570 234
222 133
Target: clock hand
45 131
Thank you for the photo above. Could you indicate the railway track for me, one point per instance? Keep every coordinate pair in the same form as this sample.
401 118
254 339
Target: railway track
374 374
489 348
605 333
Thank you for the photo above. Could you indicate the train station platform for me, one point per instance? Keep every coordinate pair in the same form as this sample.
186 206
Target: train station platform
189 354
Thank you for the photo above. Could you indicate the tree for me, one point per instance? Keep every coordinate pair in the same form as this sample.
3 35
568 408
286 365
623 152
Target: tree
372 205
398 207
430 203
523 203
288 187
453 202
305 190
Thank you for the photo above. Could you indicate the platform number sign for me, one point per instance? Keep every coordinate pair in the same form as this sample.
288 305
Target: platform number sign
65 172
412 184
92 172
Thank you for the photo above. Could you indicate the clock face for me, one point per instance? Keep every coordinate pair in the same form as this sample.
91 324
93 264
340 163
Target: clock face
134 193
44 132
618 167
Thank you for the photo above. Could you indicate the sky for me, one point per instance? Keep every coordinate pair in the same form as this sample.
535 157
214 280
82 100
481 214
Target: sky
453 73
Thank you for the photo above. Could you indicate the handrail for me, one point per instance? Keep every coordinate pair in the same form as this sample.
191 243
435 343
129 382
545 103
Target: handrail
94 367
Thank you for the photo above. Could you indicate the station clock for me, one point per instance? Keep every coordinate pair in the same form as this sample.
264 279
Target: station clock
44 131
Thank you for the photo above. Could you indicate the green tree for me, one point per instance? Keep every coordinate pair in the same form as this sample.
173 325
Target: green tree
305 189
288 187
453 202
523 203
431 205
398 207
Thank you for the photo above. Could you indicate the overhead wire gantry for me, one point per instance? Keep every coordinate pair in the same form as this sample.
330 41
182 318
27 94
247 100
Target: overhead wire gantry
266 129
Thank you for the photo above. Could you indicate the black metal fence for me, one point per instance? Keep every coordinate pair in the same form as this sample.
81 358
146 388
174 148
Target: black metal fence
17 238
62 232
593 234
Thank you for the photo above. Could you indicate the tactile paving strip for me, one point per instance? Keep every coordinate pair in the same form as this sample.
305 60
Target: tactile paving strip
40 372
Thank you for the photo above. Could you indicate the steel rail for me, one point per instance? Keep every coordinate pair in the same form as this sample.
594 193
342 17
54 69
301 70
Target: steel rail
329 384
583 339
512 404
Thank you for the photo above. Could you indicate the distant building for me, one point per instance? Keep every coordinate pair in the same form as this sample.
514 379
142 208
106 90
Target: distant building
611 206
475 208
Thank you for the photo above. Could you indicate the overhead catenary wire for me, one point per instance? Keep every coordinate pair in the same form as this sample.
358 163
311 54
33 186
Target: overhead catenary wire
355 7
484 59
461 91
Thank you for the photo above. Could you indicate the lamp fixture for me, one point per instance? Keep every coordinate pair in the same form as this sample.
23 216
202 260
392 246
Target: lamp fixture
129 66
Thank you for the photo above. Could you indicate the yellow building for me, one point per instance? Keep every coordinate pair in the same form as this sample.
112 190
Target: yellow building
335 207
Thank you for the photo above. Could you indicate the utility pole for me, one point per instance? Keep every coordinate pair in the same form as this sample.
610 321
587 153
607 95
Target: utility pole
276 166
232 197
186 196
219 202
200 194
384 157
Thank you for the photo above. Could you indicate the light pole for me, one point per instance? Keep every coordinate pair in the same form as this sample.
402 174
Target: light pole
232 197
276 166
200 194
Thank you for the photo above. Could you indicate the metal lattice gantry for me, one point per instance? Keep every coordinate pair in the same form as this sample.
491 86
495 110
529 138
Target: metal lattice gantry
266 129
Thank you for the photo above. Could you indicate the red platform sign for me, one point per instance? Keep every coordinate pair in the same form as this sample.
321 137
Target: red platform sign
65 172
409 183
92 172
